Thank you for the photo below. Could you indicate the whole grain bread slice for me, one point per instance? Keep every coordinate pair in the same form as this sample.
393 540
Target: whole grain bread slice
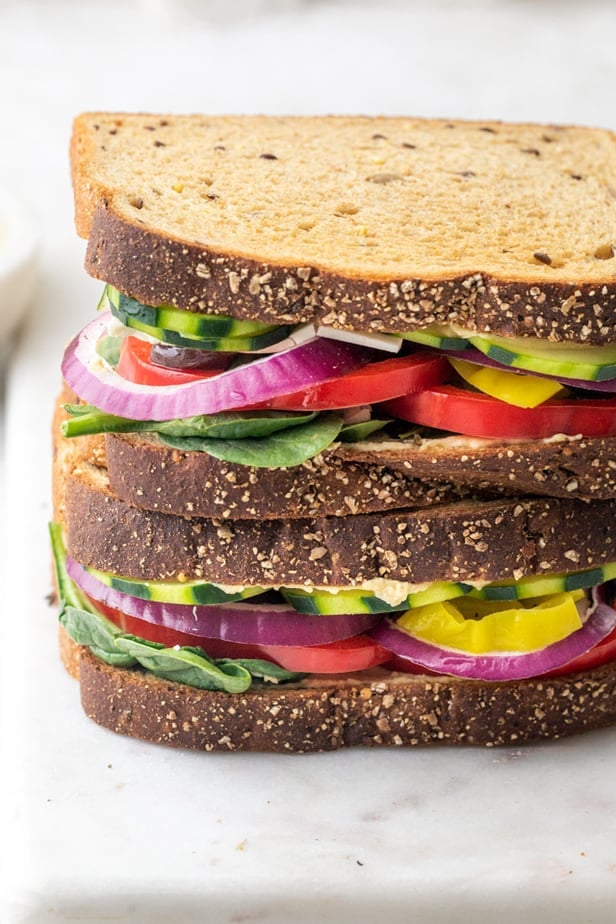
376 223
466 540
321 713
146 473
364 477
561 466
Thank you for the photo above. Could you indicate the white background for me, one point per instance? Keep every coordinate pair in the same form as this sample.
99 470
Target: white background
97 828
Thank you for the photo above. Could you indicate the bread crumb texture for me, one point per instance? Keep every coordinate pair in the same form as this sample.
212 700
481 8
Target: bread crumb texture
365 195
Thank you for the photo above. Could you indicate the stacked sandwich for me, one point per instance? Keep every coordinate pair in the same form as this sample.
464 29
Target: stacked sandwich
334 461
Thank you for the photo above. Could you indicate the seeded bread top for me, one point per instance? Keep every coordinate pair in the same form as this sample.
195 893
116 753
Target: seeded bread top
377 223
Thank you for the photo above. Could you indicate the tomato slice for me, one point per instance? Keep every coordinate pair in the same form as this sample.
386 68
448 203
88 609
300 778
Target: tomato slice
349 654
447 407
396 663
372 383
345 656
135 365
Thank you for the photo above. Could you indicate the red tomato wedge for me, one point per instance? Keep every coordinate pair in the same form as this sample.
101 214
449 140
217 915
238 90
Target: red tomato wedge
135 365
342 657
372 383
447 407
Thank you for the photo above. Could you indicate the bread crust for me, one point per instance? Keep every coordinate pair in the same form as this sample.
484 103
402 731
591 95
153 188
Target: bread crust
146 473
155 270
575 467
346 479
487 540
322 713
352 478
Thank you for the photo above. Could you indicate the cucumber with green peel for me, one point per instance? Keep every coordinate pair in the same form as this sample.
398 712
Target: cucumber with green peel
564 360
233 344
543 585
437 592
359 600
439 337
561 359
209 325
186 592
69 593
321 601
109 299
344 601
189 323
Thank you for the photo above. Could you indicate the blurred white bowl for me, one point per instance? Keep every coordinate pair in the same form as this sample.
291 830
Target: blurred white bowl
19 239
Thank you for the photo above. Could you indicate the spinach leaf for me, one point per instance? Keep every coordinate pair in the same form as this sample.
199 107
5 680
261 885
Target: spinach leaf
80 410
352 433
96 633
233 425
189 665
285 448
86 419
264 670
186 665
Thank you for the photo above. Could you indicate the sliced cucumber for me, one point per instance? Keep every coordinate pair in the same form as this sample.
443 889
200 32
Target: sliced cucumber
440 337
333 602
563 359
359 600
69 593
188 592
567 360
542 585
109 299
330 602
225 344
189 323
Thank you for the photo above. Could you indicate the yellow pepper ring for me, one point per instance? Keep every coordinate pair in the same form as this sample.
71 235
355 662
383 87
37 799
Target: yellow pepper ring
483 626
512 387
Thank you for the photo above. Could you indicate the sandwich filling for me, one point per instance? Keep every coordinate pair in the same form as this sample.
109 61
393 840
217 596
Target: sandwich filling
314 386
276 396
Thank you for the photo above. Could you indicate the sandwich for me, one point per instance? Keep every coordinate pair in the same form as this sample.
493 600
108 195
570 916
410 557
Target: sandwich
334 461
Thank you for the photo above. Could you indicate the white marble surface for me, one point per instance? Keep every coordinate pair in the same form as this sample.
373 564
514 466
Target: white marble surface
96 828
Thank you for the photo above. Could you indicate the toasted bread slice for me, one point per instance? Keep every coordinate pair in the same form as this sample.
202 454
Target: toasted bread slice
360 477
364 223
371 709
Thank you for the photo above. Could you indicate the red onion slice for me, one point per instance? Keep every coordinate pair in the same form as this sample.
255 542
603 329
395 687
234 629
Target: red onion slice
311 363
250 623
499 666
